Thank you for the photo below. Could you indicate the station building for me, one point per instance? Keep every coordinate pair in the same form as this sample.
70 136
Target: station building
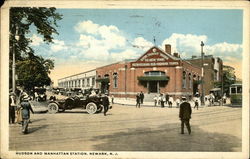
156 71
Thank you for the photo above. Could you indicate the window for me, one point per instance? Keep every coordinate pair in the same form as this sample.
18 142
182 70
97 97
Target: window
88 82
93 81
239 89
233 90
115 80
190 80
184 82
154 73
83 82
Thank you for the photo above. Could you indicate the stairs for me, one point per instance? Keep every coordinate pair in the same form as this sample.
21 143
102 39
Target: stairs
150 97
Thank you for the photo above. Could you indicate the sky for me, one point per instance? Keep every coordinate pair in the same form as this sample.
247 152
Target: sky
89 38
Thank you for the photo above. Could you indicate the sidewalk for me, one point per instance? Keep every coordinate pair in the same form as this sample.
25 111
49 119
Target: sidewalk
132 102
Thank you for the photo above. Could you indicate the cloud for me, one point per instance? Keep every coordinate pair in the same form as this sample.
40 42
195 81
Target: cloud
107 43
189 44
36 40
58 45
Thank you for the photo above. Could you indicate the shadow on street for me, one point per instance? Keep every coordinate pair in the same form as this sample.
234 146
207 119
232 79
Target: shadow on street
167 138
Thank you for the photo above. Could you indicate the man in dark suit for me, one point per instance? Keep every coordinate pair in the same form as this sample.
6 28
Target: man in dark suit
141 97
105 103
185 115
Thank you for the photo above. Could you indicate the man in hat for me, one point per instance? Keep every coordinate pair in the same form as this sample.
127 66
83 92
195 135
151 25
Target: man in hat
12 108
25 108
185 115
105 103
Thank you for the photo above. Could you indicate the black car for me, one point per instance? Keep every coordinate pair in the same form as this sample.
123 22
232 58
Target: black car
92 104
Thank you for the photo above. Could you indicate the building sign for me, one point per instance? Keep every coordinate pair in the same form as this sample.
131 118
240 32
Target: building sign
153 58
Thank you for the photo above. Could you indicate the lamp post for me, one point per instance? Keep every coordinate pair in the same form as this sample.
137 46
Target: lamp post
16 36
202 73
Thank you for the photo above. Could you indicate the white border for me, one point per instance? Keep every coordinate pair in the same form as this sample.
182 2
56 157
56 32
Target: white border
126 5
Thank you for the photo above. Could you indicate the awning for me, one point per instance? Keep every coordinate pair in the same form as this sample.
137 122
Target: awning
153 78
105 80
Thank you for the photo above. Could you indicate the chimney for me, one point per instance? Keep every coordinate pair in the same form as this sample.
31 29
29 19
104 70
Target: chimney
168 48
176 55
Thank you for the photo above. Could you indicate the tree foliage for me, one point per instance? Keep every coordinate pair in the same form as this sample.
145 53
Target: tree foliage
228 78
31 69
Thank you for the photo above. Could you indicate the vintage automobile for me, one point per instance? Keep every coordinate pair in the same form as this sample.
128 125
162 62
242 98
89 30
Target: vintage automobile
90 103
41 94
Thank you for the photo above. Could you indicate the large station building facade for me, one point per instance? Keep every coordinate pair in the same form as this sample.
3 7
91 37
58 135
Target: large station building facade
156 71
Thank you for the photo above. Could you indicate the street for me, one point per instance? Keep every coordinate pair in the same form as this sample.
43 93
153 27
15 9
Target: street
126 128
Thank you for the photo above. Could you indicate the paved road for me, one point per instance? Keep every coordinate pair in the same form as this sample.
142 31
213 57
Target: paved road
127 128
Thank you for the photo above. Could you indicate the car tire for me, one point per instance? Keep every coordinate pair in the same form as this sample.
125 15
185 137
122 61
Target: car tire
53 108
91 108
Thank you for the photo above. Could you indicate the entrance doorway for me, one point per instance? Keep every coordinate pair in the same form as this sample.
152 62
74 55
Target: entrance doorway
152 87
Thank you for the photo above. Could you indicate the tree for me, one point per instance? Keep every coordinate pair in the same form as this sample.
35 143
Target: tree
33 72
21 20
228 78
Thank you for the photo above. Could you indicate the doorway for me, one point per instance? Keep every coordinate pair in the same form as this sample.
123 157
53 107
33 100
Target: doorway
152 87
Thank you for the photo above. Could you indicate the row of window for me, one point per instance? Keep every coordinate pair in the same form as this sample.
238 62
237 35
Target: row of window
188 78
78 83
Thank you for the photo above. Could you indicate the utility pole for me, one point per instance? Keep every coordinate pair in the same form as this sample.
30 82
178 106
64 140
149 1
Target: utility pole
16 36
202 73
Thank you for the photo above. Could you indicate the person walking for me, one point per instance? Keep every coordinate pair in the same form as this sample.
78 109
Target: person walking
112 99
162 101
138 100
141 97
167 98
25 108
196 103
155 100
185 115
170 101
105 103
177 101
12 108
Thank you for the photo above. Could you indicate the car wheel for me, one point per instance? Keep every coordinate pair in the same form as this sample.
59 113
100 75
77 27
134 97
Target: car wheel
53 108
91 108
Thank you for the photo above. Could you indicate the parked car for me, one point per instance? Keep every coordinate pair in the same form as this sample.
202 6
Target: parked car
92 104
41 94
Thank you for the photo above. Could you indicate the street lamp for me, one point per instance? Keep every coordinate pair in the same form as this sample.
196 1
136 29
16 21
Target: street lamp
16 36
202 73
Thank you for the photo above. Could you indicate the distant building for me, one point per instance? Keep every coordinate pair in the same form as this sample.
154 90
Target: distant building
84 80
213 68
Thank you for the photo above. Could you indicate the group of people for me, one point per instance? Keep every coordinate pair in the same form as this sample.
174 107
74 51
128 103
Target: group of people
19 110
167 99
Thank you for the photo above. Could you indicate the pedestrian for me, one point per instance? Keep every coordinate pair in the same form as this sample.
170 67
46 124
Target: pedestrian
167 98
138 100
12 108
112 99
141 97
185 115
105 103
170 101
25 109
162 101
224 98
177 101
155 100
196 104
159 99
